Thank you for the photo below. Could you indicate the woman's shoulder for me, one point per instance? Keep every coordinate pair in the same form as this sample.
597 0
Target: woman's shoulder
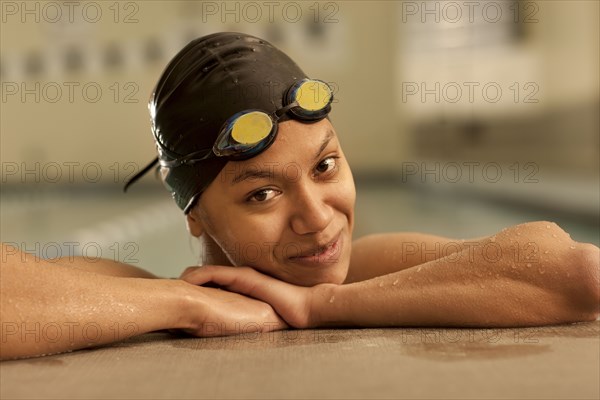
384 253
370 255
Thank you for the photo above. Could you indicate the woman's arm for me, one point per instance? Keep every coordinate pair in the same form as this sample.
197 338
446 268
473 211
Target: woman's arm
527 275
530 274
49 308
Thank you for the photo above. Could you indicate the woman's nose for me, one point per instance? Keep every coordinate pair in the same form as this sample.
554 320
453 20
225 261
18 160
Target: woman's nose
311 214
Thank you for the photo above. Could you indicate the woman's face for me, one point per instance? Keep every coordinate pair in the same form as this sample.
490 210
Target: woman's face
288 212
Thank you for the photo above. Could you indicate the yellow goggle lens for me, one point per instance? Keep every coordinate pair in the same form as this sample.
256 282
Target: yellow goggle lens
313 95
251 128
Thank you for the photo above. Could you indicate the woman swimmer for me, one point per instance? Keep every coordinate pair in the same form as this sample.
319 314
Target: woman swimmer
248 152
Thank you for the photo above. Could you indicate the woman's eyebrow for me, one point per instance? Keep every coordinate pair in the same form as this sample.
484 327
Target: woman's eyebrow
252 173
324 143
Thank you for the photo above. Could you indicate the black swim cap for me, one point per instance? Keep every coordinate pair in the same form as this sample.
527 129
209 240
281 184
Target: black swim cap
208 81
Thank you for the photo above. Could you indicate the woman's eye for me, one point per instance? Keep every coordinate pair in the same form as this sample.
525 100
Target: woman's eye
327 165
262 195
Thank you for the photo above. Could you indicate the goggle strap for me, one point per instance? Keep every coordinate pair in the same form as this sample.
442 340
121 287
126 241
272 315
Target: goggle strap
140 174
188 159
279 113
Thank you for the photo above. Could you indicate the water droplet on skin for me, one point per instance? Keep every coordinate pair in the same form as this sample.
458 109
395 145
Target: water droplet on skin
541 271
331 299
419 269
396 281
528 265
380 284
553 235
546 252
572 247
548 226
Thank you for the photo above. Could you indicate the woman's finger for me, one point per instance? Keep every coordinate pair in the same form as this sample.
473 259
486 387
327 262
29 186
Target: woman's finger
243 280
220 275
195 272
188 270
198 276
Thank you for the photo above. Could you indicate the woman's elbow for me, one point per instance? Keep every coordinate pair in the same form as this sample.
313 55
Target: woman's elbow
575 281
587 264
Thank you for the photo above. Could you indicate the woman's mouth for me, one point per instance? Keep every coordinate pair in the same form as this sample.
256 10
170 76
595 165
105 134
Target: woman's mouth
328 253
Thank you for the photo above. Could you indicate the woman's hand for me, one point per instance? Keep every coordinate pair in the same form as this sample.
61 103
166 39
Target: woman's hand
214 312
295 304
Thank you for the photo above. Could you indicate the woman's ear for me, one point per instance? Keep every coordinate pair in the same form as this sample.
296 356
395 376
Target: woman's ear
194 224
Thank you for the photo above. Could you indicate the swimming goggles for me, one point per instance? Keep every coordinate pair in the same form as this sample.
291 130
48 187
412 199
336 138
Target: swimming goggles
249 132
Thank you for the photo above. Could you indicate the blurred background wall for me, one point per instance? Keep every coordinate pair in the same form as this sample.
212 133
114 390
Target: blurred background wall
458 118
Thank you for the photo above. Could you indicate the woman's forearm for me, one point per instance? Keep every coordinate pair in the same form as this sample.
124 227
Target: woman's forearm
50 308
532 274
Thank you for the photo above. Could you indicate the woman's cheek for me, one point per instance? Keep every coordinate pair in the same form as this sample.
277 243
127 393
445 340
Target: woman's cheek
348 191
259 242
